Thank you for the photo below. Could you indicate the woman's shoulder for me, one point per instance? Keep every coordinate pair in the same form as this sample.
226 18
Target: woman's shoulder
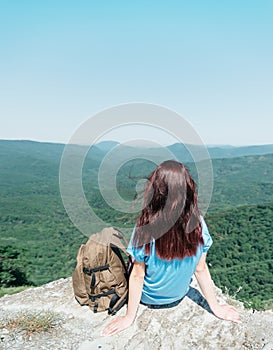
138 253
206 235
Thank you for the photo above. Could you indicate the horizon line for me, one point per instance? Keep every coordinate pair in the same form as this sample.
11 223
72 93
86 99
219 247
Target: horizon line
121 142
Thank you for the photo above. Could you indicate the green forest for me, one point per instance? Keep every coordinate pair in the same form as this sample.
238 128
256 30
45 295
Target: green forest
39 243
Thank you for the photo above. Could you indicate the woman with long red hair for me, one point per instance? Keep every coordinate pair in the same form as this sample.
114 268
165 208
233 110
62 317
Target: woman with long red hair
169 244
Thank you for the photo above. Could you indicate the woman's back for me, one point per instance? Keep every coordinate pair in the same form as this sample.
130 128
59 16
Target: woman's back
167 281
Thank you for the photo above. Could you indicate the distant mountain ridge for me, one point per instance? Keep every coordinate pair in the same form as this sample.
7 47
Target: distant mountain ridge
233 151
181 151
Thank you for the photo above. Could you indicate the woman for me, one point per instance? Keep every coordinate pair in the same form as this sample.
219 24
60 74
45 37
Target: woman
169 244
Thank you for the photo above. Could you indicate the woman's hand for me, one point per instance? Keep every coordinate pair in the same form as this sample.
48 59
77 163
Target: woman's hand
117 325
227 312
135 290
224 312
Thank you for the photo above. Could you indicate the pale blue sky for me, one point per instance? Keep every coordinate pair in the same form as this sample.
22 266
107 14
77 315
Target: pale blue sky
211 61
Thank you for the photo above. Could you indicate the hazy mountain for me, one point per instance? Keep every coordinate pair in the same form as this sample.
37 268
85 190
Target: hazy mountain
106 146
182 151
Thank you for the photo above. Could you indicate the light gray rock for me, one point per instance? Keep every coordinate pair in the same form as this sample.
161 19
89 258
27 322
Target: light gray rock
189 326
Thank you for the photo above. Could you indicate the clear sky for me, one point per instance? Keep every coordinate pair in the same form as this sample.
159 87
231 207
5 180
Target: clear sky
211 61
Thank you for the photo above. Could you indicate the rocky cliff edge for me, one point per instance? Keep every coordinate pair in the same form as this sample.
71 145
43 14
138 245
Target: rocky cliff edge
188 326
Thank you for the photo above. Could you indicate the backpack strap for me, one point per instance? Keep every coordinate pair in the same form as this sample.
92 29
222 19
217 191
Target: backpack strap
116 250
104 294
120 235
95 269
116 303
91 272
113 301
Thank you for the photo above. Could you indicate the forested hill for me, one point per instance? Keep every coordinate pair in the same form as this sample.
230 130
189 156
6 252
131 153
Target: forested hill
38 243
241 258
54 150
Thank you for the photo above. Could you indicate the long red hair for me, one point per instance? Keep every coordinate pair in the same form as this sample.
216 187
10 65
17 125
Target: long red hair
170 213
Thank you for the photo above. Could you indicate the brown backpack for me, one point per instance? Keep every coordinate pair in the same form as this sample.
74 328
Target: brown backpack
100 279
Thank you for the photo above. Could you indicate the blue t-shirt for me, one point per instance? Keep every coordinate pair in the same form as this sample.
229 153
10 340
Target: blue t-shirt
167 281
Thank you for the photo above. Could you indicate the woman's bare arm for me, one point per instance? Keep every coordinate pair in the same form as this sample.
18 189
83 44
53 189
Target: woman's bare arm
225 312
135 289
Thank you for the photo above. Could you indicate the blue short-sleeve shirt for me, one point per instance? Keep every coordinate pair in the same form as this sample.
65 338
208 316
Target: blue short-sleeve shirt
167 281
